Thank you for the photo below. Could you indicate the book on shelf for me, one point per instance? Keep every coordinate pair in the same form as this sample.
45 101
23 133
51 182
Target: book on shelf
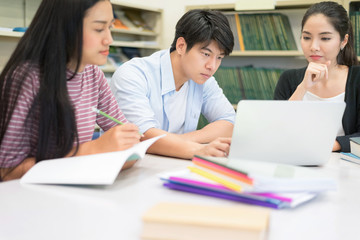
253 182
95 169
355 146
261 31
355 20
289 36
235 25
118 24
349 157
115 58
264 42
118 14
247 82
186 221
5 29
130 52
136 18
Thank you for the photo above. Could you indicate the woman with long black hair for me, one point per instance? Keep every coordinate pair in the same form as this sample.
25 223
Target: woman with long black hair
51 83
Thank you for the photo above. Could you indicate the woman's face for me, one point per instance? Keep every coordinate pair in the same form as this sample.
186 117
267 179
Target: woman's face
96 34
320 41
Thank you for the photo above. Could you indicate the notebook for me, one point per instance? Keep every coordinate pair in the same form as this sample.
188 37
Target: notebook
291 132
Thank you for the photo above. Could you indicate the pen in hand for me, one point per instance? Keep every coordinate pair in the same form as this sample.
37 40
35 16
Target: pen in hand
110 117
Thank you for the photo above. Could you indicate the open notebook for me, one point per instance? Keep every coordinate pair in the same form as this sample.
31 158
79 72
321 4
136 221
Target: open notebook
96 169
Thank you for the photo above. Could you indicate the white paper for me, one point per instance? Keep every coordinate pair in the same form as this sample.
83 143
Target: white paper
96 169
276 177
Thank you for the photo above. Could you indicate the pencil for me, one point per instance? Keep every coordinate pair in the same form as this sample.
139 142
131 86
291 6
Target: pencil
109 117
106 115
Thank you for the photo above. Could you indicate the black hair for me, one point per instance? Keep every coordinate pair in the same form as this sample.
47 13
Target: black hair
53 39
202 26
339 19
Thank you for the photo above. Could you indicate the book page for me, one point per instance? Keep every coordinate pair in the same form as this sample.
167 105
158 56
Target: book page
95 169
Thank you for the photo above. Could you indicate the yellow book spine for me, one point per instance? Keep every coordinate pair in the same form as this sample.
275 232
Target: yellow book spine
215 178
238 26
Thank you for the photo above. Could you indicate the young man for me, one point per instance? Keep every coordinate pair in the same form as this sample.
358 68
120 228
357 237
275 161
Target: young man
167 91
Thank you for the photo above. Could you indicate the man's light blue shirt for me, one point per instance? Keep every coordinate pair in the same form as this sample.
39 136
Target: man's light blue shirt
143 85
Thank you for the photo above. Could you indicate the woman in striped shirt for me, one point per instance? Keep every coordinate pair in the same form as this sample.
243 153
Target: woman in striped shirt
50 84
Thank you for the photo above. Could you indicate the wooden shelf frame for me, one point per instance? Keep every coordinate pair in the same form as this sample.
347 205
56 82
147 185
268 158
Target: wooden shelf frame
19 13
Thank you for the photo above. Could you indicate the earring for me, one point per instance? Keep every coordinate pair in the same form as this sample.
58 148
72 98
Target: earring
342 48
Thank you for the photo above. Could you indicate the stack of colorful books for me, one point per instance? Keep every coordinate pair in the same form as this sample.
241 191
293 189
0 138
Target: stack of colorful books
253 182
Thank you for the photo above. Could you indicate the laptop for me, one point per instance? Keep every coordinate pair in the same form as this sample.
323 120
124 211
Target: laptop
290 132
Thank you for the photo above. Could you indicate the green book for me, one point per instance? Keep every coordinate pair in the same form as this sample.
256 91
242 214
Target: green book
279 33
241 73
256 31
263 38
246 81
270 33
289 34
228 82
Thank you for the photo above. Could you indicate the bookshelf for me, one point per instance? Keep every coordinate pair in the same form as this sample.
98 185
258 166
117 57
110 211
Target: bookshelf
254 73
146 39
294 10
19 13
286 59
353 8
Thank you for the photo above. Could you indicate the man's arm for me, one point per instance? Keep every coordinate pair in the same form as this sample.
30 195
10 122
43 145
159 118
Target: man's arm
210 132
175 146
218 111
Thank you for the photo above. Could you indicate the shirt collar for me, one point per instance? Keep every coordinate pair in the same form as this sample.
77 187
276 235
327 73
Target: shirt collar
167 76
77 76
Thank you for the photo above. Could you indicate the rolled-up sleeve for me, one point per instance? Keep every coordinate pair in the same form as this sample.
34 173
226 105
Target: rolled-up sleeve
215 105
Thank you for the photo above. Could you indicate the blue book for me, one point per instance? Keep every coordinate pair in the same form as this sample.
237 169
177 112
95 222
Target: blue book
207 192
350 157
186 181
20 29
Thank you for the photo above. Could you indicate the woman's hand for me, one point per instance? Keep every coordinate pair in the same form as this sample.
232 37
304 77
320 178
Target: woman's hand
119 138
315 72
218 148
336 146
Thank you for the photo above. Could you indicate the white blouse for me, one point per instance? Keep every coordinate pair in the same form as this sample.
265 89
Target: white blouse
339 98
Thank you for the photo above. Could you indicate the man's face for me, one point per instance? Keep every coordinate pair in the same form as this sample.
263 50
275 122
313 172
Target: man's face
201 62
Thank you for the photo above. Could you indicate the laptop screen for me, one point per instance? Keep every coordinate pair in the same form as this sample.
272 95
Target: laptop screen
292 132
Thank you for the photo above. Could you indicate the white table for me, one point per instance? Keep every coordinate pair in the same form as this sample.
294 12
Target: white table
114 212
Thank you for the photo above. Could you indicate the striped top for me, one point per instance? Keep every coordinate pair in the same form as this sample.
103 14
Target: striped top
86 90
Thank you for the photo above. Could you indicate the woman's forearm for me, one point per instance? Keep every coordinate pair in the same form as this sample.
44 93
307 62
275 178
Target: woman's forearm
18 171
